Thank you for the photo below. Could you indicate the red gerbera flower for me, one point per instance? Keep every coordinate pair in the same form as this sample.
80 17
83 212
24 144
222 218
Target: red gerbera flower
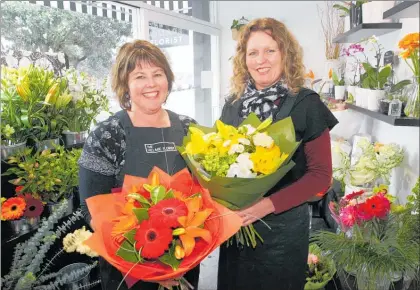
348 215
354 194
376 206
153 239
167 212
34 206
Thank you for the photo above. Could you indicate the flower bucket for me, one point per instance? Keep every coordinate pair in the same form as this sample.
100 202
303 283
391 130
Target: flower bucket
73 138
339 92
47 144
373 99
24 225
78 281
10 150
367 281
52 206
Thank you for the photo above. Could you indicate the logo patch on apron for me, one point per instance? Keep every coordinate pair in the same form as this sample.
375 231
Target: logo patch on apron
160 147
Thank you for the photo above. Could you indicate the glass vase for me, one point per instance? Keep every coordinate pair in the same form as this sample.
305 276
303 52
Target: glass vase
412 109
369 281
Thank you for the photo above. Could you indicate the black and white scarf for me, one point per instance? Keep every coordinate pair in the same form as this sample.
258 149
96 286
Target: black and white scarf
262 102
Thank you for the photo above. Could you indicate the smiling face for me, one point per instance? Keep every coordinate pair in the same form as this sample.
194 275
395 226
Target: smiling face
148 88
263 59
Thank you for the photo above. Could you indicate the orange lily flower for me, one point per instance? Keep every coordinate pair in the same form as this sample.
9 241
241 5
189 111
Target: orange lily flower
191 224
124 223
310 75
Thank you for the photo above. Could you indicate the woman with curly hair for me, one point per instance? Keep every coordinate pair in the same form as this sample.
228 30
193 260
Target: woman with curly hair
268 78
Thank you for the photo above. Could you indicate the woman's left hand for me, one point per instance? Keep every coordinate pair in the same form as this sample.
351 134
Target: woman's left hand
256 211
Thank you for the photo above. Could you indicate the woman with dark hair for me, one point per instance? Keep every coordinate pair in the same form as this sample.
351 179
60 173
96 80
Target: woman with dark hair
268 78
135 139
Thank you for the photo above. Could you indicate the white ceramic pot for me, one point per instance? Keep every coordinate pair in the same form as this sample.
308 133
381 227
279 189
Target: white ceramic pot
358 96
351 90
365 98
339 92
374 98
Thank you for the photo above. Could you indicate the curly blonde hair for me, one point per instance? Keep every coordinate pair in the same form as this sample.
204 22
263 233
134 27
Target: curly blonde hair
130 55
291 52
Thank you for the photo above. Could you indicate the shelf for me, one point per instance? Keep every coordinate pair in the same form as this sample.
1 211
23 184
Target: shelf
394 121
365 30
405 9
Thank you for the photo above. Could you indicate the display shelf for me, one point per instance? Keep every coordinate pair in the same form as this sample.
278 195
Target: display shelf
405 9
365 30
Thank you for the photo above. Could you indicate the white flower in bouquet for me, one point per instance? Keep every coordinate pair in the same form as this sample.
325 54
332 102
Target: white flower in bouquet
88 111
236 148
249 129
263 140
244 141
242 167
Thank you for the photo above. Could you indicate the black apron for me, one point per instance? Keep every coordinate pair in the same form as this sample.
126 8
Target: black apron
147 147
280 262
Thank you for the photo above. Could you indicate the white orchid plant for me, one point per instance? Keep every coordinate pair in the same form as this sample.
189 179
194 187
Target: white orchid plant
88 100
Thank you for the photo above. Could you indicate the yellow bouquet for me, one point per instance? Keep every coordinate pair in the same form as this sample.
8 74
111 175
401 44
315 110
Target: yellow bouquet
239 165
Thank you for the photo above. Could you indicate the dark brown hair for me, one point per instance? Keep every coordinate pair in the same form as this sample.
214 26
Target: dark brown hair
131 55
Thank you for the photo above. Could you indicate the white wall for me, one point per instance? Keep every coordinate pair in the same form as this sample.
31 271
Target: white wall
301 17
305 24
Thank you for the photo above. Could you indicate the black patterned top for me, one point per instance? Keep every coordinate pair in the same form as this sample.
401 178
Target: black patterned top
104 150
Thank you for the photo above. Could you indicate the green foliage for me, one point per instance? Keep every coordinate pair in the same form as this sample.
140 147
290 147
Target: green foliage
52 175
336 80
88 42
375 78
321 272
238 23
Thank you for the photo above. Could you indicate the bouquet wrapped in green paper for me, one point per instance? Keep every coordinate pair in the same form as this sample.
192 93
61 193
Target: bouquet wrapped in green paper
239 165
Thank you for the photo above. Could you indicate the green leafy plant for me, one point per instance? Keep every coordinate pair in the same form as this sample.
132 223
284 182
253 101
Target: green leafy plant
321 268
238 23
374 77
336 80
346 6
367 242
51 175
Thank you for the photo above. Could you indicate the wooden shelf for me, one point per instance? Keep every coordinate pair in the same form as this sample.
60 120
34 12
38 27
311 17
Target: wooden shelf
405 9
366 30
394 121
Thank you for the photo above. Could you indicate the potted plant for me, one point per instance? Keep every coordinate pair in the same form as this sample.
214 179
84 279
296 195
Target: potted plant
236 26
395 92
51 175
375 77
41 100
86 103
367 242
353 10
321 269
339 87
332 25
13 129
21 212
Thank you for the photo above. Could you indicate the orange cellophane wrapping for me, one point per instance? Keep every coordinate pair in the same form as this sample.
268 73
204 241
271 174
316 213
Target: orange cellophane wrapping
222 224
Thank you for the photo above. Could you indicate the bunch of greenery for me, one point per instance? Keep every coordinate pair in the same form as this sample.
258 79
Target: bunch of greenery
321 269
53 175
28 269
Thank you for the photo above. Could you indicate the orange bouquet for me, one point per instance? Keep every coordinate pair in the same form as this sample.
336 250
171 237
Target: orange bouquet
160 227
